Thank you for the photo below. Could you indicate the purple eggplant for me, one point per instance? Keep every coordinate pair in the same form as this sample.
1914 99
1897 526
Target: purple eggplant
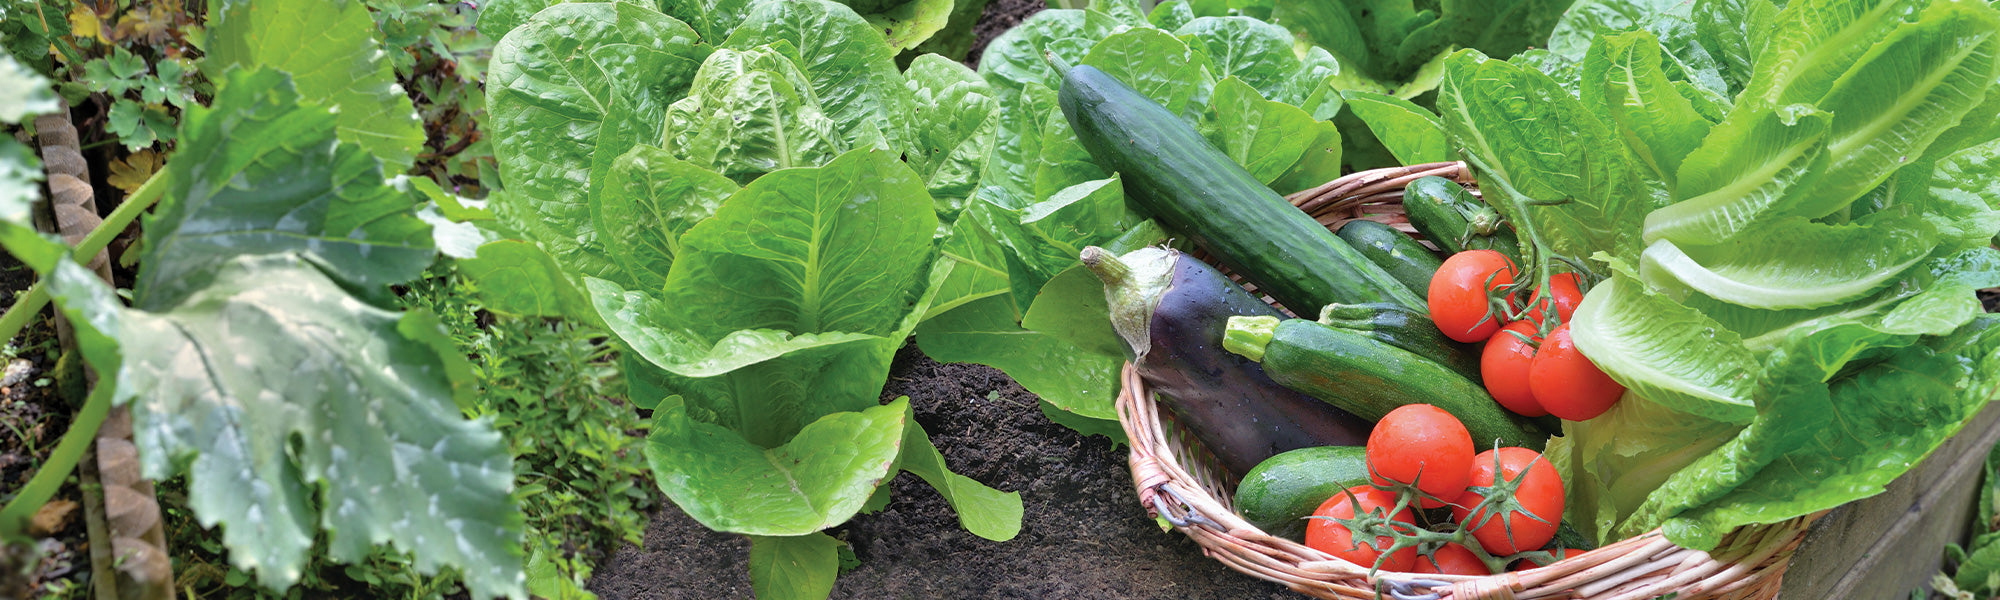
1171 310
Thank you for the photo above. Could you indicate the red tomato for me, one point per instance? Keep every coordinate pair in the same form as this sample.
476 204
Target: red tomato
1568 293
1327 535
1503 365
1528 563
1539 492
1452 559
1422 445
1458 294
1566 383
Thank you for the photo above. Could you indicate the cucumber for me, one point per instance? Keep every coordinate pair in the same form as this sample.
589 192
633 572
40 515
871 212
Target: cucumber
1445 214
1175 176
1282 491
1170 310
1398 254
1404 329
1369 378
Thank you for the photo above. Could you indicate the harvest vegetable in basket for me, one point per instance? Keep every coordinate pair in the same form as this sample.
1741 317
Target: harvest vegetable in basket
1776 230
1171 309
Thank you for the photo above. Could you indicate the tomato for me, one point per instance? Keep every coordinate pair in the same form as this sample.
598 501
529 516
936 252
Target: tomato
1566 383
1327 535
1568 293
1422 445
1452 559
1538 492
1458 294
1503 365
1528 563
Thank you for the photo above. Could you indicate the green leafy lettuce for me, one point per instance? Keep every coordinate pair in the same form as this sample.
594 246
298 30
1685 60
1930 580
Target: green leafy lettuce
753 208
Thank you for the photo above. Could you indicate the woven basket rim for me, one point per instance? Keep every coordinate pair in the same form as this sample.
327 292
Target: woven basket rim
1174 482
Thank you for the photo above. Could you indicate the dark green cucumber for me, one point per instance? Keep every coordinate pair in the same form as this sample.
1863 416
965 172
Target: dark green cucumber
1175 176
1369 378
1282 491
1405 329
1445 214
1400 255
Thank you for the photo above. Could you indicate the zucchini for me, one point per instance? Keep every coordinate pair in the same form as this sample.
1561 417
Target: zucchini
1404 329
1445 214
1281 492
1170 309
1369 378
1175 176
1400 255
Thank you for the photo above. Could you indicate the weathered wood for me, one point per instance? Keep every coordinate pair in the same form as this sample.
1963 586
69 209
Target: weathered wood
1885 546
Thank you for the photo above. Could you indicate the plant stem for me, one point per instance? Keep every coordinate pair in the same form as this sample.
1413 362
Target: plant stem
30 304
48 479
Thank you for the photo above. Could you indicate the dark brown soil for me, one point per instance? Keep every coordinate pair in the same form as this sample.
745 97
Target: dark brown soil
1000 16
33 418
1084 534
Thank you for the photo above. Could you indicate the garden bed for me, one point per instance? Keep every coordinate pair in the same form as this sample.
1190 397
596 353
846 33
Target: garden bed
1083 535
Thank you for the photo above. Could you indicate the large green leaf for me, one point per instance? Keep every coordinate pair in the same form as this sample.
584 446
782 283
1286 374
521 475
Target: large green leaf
513 277
800 567
650 200
1264 136
852 69
713 19
250 365
333 413
1797 263
844 247
23 93
1814 42
1542 157
1901 95
1158 66
750 112
568 93
1391 39
1733 33
986 332
1622 78
954 126
818 479
1024 87
974 264
329 48
1744 173
325 201
1411 133
1673 355
1865 443
641 321
1964 195
1257 52
984 511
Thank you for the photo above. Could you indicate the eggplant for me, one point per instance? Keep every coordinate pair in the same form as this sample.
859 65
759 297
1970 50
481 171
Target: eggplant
1171 310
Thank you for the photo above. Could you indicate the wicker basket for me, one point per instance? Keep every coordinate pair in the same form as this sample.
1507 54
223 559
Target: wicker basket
1177 481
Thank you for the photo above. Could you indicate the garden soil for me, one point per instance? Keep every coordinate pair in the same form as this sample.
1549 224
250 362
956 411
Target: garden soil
1084 534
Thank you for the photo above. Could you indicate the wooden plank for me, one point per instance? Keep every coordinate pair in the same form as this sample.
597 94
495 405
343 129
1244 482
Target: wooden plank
1889 544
